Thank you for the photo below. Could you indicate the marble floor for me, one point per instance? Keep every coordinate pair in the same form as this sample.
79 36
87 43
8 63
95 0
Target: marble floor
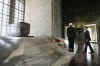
37 52
42 52
87 59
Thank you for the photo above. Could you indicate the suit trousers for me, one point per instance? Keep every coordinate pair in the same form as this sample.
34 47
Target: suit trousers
71 43
88 44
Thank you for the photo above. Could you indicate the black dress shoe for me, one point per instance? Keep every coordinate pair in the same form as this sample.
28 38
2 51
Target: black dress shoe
69 50
91 52
72 50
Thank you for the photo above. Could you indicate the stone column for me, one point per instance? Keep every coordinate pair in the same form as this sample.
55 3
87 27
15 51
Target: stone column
38 13
98 37
56 18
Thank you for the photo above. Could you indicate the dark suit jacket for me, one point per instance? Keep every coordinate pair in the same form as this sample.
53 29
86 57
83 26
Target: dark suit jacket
71 32
87 35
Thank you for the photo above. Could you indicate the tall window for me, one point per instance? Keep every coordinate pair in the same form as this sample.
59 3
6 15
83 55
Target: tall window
19 11
11 12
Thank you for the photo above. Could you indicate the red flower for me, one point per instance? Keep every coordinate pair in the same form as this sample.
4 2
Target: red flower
57 40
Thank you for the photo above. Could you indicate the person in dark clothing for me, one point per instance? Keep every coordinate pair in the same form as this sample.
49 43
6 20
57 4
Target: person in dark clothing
71 36
87 41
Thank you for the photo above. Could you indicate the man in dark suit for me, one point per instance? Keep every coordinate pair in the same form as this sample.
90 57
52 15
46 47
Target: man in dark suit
71 36
87 41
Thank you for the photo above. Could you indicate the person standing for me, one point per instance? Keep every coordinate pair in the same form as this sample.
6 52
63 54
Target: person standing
87 41
71 37
80 40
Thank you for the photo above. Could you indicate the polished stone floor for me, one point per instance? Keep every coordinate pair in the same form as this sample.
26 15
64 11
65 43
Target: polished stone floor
43 52
37 52
87 59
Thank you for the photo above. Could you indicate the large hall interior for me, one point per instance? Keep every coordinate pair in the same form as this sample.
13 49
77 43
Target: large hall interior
35 32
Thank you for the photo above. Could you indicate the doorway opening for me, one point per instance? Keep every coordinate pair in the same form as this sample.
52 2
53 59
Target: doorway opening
93 32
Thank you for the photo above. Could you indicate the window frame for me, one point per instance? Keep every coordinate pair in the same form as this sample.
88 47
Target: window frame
9 15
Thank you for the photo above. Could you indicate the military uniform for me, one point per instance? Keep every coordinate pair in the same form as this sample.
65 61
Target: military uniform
71 37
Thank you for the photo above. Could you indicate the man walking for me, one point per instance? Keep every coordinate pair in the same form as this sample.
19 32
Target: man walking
87 41
71 37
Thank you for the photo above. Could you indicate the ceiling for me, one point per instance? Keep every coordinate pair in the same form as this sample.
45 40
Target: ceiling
83 10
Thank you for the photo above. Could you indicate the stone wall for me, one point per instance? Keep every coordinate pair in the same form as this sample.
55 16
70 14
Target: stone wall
39 14
57 19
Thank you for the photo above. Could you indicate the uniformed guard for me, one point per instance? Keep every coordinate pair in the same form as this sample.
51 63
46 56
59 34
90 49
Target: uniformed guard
71 37
80 39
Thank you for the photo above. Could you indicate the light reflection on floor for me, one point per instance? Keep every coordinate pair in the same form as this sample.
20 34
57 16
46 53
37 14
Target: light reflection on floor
94 45
75 46
66 41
